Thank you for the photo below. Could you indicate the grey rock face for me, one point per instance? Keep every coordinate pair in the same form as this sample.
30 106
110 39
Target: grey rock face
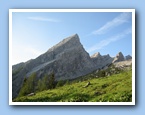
67 60
101 61
96 55
16 67
119 57
128 57
125 63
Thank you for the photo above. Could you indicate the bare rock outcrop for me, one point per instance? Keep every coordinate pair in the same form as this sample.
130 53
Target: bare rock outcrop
101 61
128 57
119 57
67 60
125 63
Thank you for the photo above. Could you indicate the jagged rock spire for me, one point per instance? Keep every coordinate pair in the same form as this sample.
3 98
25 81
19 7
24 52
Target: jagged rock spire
67 59
119 57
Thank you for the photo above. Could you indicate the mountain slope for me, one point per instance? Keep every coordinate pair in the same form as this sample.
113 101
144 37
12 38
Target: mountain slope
115 88
67 60
101 61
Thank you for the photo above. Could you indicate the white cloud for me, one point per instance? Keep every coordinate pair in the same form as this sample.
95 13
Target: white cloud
43 19
122 18
106 42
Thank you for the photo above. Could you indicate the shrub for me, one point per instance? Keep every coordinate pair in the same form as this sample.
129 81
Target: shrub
60 83
101 73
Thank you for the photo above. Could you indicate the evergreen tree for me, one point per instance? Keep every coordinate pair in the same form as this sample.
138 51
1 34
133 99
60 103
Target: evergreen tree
67 82
43 83
40 85
51 81
60 83
29 85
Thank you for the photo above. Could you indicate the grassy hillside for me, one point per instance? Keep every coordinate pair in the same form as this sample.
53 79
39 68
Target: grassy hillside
114 88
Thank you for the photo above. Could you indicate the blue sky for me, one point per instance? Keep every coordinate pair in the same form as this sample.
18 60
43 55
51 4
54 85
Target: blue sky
34 33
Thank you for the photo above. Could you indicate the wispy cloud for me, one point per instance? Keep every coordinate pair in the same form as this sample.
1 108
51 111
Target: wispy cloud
43 19
106 42
122 18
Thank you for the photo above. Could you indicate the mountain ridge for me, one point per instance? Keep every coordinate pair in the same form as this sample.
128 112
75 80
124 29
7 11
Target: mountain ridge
67 59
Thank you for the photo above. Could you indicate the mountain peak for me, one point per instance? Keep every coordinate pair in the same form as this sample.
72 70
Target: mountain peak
128 57
119 53
97 54
67 43
119 57
67 60
72 37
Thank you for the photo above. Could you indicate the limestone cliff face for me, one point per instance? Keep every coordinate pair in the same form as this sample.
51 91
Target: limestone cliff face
101 61
67 59
128 57
119 57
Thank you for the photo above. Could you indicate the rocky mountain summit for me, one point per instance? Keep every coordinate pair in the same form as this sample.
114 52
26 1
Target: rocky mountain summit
119 57
128 57
67 60
101 61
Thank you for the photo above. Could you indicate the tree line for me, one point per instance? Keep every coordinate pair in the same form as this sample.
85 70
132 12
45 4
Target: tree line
33 84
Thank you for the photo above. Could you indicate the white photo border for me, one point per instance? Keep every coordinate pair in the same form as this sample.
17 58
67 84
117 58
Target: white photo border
71 10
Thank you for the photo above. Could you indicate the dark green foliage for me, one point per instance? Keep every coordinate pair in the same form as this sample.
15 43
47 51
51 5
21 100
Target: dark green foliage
104 86
24 88
101 73
28 85
51 81
41 85
60 83
114 88
117 70
47 82
67 82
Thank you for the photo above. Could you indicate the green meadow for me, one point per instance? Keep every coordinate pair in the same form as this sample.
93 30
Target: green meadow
114 88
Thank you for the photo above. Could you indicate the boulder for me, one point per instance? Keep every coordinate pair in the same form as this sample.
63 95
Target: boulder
31 94
88 83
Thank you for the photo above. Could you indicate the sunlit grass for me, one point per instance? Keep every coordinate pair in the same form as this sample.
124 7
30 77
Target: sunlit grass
115 88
